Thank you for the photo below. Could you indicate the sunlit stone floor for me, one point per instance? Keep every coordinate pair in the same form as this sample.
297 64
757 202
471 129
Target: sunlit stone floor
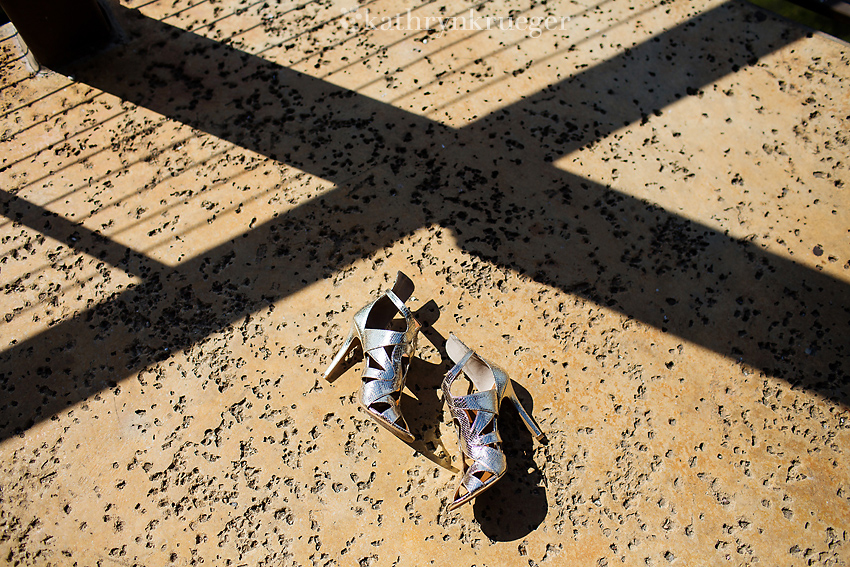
642 214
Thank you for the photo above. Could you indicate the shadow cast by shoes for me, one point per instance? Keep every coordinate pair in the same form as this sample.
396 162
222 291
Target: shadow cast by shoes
517 504
424 380
424 414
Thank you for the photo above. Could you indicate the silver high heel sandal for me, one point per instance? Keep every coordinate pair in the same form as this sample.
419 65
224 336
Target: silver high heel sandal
475 415
387 354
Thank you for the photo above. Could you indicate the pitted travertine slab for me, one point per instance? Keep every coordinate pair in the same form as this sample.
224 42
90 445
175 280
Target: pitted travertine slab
640 216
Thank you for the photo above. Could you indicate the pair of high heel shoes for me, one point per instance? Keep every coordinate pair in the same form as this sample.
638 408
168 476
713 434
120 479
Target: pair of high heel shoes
387 345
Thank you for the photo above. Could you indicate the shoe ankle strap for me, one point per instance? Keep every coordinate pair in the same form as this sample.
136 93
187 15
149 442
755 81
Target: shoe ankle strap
452 374
486 401
402 308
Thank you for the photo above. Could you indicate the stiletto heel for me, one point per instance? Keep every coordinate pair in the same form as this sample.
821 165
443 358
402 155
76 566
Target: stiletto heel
476 417
337 366
529 422
386 352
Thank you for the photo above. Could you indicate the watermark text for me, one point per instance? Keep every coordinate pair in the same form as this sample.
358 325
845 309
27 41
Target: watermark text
534 26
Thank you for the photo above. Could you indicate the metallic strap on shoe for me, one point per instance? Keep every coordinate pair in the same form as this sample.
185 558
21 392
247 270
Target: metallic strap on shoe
479 438
384 380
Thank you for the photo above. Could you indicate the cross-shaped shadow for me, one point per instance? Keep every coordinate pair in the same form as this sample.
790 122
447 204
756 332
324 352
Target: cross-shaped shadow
396 172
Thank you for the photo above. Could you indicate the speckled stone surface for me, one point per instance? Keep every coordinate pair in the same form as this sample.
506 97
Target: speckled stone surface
641 214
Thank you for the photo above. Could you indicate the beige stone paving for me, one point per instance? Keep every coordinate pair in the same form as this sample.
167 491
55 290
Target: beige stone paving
642 216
